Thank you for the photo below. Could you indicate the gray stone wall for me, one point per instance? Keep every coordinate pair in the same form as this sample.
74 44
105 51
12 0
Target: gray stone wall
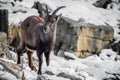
82 39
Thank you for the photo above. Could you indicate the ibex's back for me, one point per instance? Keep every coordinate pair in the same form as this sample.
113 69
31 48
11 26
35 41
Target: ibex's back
38 34
32 21
29 29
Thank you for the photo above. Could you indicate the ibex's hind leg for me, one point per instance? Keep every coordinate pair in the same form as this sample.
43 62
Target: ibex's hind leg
47 56
30 61
20 48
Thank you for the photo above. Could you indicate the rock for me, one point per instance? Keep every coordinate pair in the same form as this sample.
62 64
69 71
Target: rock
71 77
67 55
3 44
41 7
82 39
13 36
116 47
12 68
114 76
3 36
4 20
102 3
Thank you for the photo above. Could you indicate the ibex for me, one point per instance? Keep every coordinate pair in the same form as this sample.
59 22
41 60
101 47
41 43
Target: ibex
38 34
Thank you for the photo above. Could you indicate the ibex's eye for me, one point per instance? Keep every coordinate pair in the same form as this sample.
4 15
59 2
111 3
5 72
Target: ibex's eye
52 21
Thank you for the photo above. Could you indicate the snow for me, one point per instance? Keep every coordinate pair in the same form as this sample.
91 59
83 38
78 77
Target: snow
30 75
84 9
26 3
15 20
108 54
25 6
70 55
7 76
90 68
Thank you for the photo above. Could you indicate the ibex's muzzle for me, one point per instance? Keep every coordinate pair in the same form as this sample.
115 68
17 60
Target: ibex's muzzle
46 29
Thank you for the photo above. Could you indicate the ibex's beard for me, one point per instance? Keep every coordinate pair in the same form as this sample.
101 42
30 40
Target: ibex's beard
46 30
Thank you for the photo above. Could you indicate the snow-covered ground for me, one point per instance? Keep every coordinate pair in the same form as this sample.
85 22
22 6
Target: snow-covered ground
106 65
91 68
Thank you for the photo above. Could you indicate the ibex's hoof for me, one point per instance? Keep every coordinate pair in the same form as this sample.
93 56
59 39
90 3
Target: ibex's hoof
47 64
33 68
39 73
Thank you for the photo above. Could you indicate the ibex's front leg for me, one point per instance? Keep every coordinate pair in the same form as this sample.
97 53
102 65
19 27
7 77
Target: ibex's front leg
20 48
47 56
40 58
30 61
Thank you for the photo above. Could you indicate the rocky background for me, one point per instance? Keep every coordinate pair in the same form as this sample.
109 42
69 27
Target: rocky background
82 39
77 37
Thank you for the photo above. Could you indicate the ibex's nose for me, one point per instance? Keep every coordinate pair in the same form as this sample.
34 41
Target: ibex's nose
46 29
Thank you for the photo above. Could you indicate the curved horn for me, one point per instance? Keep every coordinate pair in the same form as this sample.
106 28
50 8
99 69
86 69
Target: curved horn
47 10
53 14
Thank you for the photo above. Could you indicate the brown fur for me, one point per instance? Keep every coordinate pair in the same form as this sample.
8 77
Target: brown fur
38 34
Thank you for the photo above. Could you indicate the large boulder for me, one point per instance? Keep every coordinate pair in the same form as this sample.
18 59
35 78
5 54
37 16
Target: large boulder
82 39
11 68
41 7
3 44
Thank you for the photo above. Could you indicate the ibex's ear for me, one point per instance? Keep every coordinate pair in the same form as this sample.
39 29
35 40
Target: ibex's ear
58 17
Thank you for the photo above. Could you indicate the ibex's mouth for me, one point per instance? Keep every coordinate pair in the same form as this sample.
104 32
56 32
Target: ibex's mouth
46 30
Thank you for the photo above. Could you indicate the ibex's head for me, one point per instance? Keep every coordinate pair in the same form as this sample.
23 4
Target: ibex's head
51 20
